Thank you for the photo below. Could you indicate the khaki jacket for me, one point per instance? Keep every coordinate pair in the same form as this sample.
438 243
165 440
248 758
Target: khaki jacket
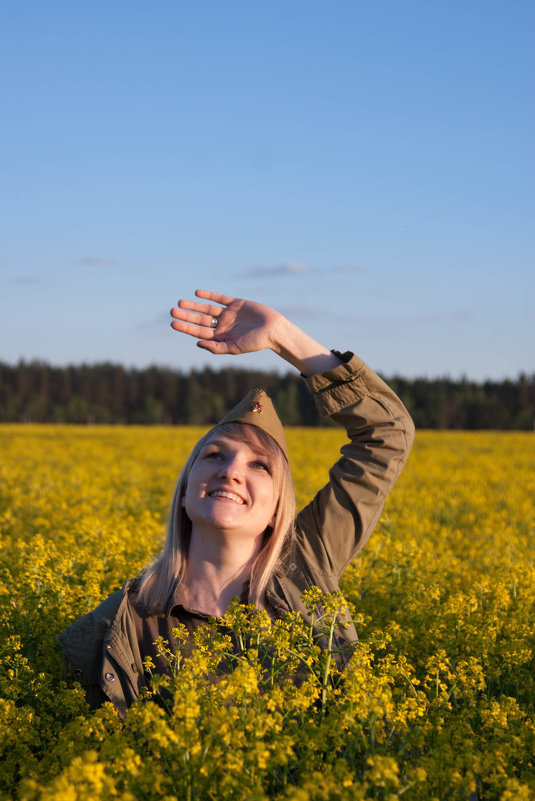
102 647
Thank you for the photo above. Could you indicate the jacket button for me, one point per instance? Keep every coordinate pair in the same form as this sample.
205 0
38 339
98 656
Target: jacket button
109 677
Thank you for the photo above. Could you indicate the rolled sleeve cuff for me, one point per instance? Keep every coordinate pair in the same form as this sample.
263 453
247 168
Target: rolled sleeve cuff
340 387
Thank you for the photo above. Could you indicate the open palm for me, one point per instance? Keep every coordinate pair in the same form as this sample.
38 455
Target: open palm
243 326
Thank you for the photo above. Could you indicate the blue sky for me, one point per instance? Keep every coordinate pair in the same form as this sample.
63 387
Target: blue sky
366 168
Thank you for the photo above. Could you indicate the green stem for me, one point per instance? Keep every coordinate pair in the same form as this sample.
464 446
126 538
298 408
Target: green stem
327 668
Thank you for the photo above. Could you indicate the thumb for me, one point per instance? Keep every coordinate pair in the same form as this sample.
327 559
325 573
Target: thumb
213 347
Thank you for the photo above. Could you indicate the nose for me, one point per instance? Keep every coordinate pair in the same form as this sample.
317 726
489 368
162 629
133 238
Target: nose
232 470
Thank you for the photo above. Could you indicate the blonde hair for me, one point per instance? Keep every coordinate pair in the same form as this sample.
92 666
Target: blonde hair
160 580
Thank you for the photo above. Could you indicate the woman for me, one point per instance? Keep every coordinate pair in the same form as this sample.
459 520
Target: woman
232 529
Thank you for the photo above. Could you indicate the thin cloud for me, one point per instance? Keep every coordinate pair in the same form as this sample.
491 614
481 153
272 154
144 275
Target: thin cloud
458 316
287 268
347 268
27 280
96 261
463 317
297 268
295 312
395 321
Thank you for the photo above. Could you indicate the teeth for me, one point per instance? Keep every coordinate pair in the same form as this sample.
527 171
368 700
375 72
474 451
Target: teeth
224 494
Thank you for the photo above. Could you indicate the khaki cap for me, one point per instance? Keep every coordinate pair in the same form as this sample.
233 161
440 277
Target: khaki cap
257 409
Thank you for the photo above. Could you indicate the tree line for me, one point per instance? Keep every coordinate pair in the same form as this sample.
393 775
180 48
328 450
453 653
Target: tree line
110 393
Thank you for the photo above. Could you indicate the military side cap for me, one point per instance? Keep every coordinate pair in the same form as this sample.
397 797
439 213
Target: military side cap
257 409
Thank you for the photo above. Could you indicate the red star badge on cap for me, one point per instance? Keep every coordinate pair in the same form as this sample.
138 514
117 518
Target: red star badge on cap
257 407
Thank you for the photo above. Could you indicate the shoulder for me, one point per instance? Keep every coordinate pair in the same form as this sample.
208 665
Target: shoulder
94 625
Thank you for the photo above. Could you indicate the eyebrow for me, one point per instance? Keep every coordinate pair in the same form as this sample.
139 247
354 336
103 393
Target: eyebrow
224 444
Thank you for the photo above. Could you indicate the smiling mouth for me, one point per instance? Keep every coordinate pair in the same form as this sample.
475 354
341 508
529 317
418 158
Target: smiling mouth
224 494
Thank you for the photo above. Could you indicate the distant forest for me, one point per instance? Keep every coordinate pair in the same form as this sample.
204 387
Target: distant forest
109 393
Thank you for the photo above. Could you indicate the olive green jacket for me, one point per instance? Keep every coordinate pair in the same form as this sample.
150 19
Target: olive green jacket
102 647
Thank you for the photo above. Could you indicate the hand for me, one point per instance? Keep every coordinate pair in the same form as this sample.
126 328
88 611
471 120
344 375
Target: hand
243 326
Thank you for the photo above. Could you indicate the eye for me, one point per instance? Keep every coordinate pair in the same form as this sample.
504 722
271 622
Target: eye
259 465
215 454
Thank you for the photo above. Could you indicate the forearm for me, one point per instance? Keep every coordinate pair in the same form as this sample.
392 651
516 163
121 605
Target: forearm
243 326
301 350
338 522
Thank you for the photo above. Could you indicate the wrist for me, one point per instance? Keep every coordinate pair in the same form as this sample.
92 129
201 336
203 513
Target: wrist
280 334
299 349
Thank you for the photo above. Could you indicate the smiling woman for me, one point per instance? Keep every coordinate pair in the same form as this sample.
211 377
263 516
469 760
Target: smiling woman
230 492
230 497
232 527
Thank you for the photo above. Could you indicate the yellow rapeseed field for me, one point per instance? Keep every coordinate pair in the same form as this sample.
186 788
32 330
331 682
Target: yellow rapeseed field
437 701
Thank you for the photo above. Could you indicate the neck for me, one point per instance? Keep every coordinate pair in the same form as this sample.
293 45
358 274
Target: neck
217 570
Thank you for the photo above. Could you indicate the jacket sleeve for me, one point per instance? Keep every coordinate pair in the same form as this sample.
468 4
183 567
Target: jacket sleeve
102 651
335 526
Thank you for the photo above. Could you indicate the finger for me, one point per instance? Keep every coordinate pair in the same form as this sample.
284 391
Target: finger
200 308
198 331
225 300
193 317
213 347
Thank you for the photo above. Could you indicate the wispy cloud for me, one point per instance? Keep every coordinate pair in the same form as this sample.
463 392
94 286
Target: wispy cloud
26 280
296 268
398 321
347 268
96 261
456 316
296 312
287 268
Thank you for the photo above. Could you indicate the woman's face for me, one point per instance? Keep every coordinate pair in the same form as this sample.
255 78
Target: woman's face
231 488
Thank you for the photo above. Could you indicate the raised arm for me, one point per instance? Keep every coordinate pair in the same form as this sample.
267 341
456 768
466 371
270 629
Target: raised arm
244 326
334 527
